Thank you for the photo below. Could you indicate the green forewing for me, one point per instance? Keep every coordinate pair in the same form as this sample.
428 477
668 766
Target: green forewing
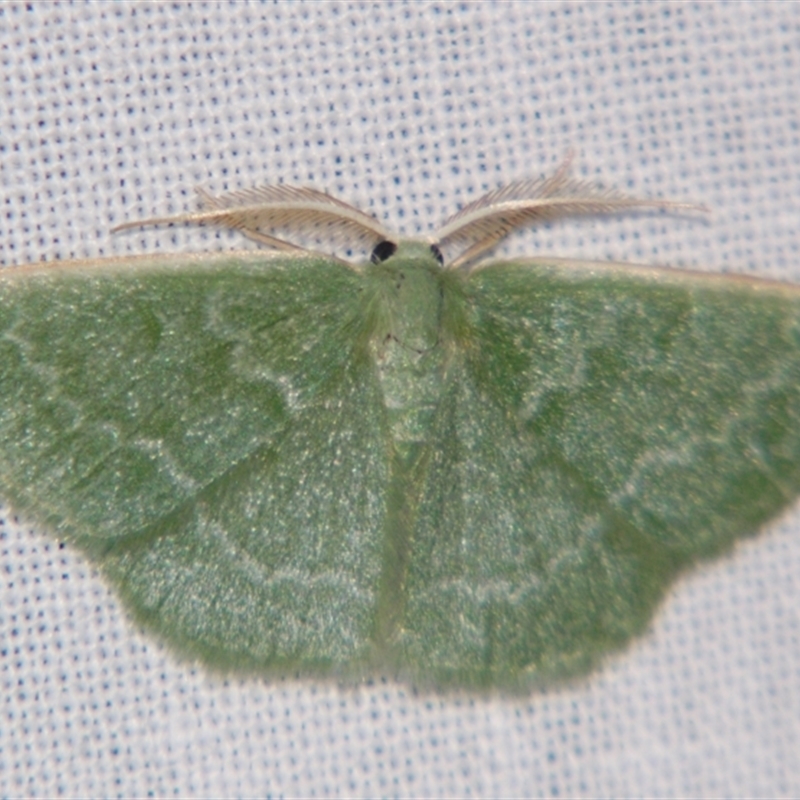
219 436
597 432
198 431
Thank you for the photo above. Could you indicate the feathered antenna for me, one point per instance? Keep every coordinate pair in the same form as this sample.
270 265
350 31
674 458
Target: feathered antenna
480 225
305 213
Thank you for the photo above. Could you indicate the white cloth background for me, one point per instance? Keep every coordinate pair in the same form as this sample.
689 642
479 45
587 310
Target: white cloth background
111 111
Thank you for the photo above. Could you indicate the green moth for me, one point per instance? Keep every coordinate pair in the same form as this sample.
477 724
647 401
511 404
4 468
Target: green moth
466 473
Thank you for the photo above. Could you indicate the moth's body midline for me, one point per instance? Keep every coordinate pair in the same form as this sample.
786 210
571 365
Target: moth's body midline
407 292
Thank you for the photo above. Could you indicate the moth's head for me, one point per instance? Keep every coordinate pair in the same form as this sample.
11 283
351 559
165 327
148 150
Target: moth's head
410 251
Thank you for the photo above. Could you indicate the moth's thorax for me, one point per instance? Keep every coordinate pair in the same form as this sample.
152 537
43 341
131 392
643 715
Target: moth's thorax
407 291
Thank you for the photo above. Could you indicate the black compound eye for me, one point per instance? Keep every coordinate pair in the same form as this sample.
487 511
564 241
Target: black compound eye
437 253
382 251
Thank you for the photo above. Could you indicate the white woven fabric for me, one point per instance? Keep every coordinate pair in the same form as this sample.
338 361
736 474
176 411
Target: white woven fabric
111 111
